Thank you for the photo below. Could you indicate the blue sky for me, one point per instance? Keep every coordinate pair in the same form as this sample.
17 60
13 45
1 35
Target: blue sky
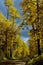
3 9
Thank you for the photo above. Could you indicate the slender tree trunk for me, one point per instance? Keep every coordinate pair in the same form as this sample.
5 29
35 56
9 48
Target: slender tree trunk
7 13
39 51
6 42
6 33
12 28
10 53
38 19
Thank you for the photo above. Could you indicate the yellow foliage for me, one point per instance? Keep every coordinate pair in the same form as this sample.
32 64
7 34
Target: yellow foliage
6 23
8 2
22 49
14 12
33 14
8 29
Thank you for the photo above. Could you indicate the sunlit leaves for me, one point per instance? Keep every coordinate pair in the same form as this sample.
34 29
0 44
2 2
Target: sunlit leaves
14 12
8 2
33 14
21 49
33 46
9 28
6 23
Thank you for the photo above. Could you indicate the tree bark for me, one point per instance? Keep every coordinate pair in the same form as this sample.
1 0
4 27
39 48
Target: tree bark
39 51
38 19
